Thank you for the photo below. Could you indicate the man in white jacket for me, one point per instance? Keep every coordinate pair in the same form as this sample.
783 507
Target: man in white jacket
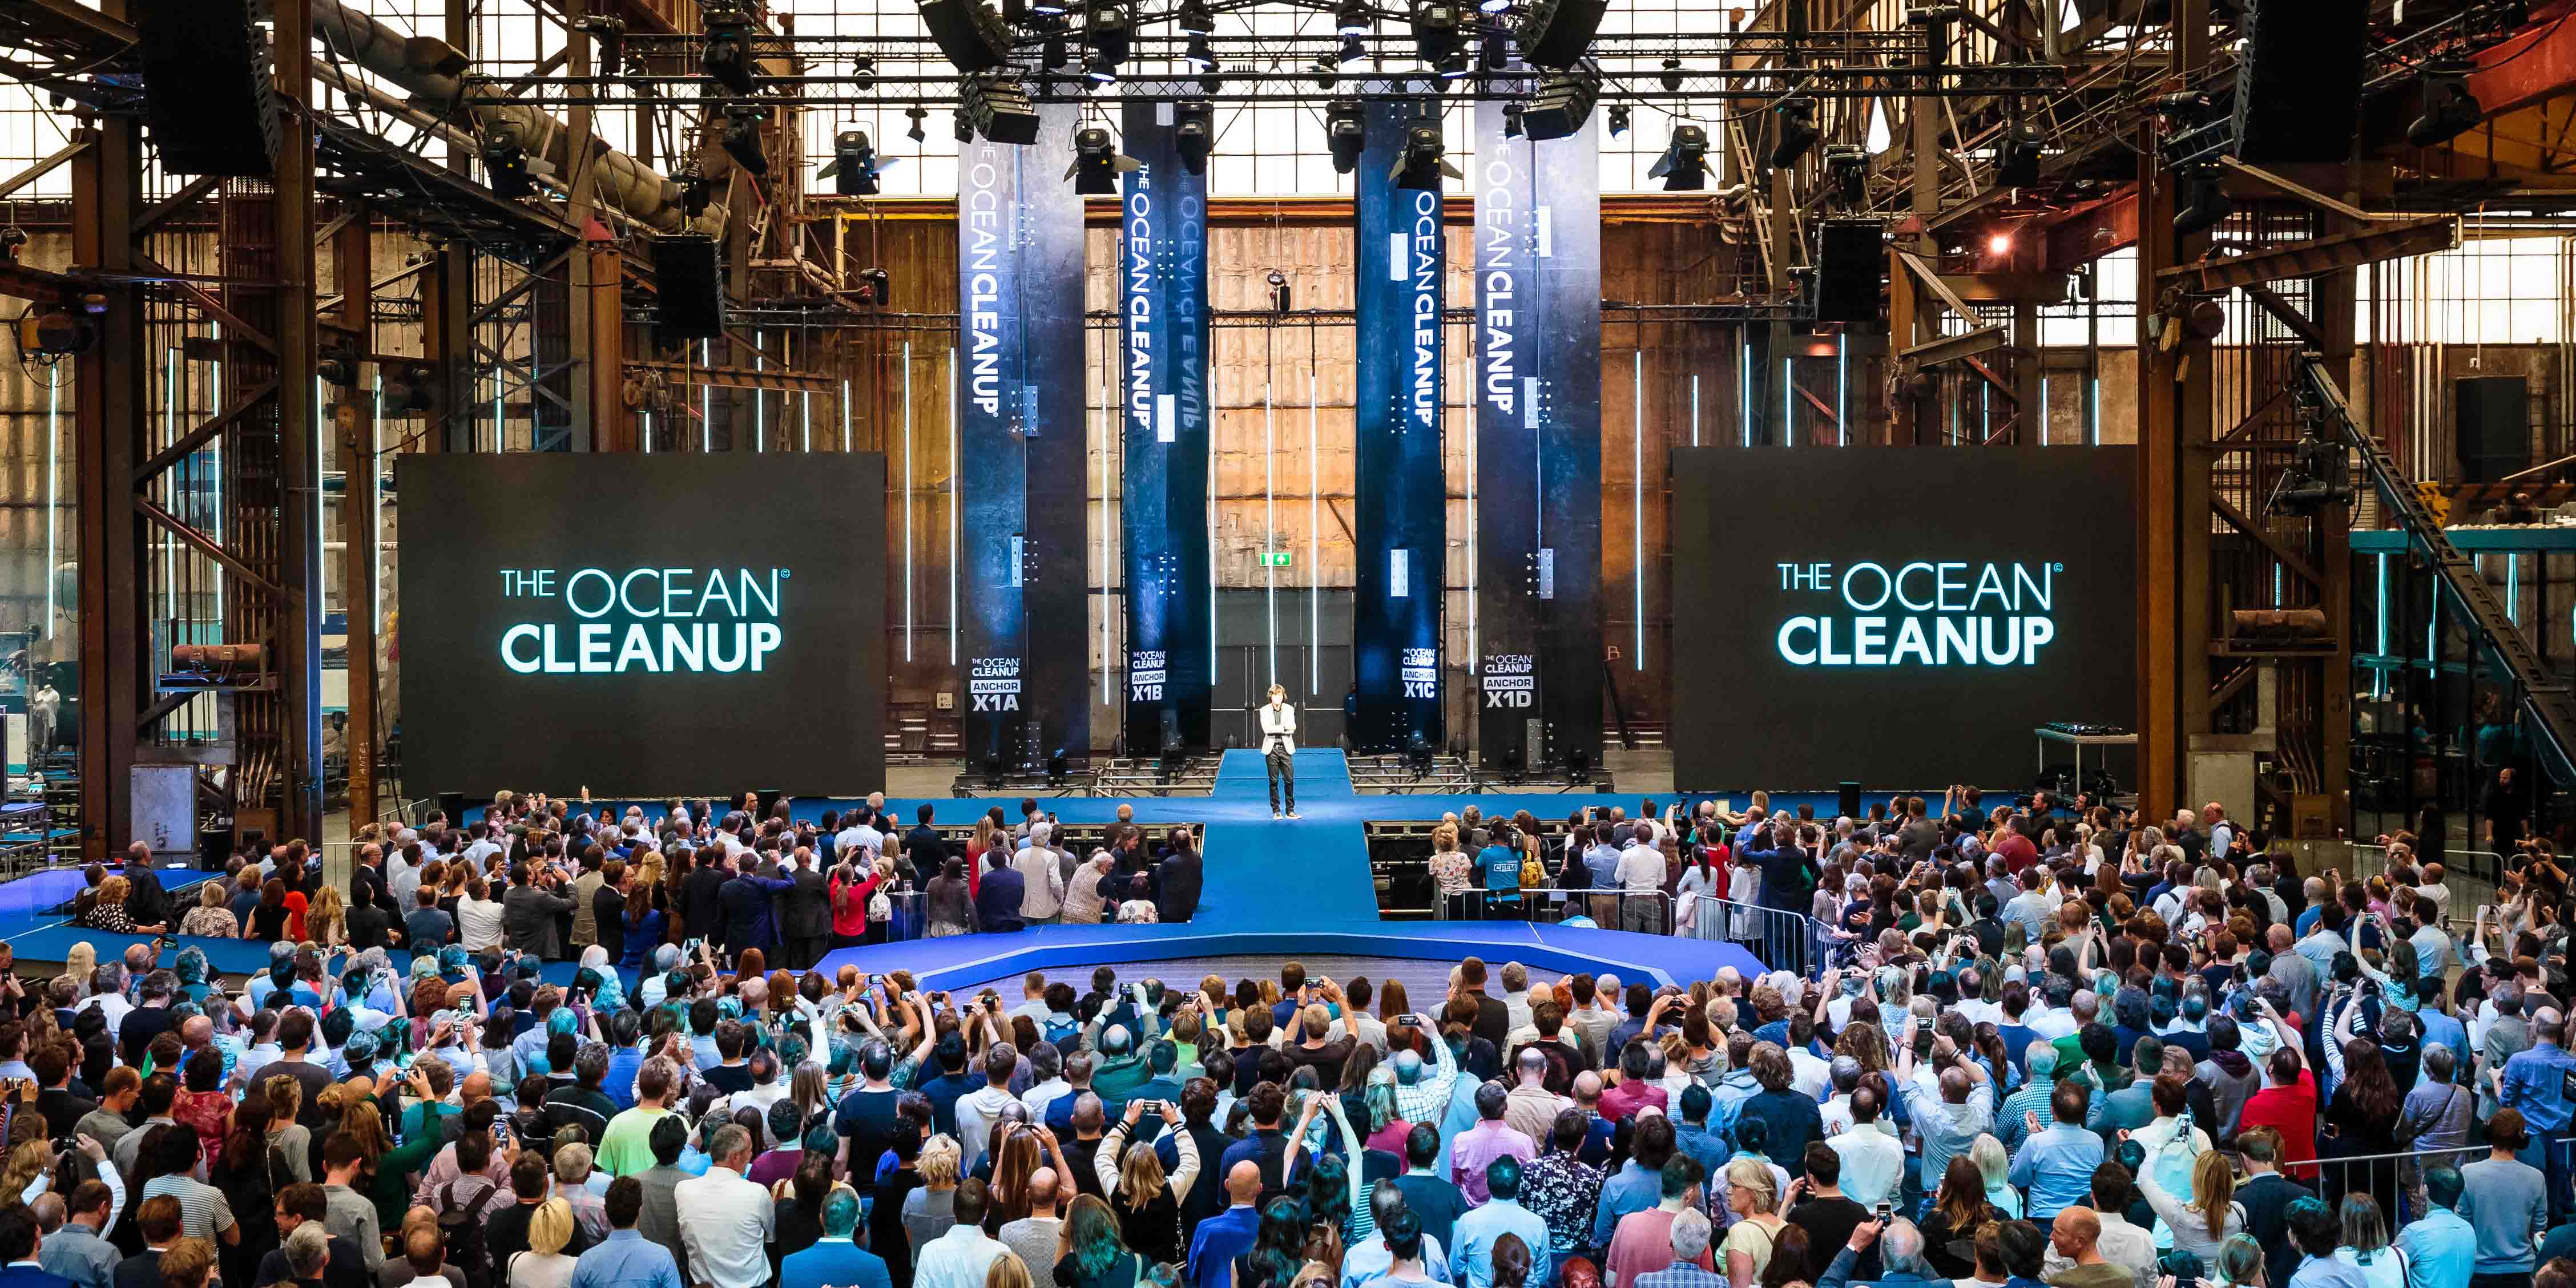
1279 748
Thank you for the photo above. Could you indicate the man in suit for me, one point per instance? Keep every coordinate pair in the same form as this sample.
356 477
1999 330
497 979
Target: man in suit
528 913
748 920
999 896
367 879
18 1240
149 902
1178 880
158 1218
702 895
925 851
2267 1196
805 912
1493 1019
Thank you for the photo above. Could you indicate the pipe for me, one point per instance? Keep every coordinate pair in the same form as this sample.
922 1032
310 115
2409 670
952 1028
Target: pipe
623 182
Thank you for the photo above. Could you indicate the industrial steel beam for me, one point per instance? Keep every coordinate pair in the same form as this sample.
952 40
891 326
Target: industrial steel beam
2331 253
361 513
299 545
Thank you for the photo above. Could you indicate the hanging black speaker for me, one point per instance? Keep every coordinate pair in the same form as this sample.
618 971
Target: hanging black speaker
690 285
1850 262
2298 81
207 94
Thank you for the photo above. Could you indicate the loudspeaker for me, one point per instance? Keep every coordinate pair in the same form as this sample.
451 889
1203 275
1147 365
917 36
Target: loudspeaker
2298 81
2494 427
690 284
1849 263
207 95
214 849
452 804
1849 805
768 799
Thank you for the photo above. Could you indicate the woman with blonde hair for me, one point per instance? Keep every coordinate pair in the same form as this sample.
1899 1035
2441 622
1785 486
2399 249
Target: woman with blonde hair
1752 1193
211 916
285 1136
78 961
544 1264
326 923
1146 1202
1993 1164
931 1210
1007 1271
110 913
1450 867
2205 1223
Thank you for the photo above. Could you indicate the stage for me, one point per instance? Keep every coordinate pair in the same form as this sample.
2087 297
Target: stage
1273 888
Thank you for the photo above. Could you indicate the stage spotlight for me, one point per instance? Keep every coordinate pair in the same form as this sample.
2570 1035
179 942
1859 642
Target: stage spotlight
917 114
2449 108
1058 769
2207 207
1514 772
1417 755
1279 293
1555 34
1326 72
1435 31
863 73
854 166
1197 22
1096 163
695 194
505 165
337 365
875 287
1671 76
1351 18
1578 766
994 771
2019 165
1618 120
1999 244
1108 32
1684 165
968 32
409 393
741 139
726 57
1492 6
1563 104
1354 48
1494 51
1454 67
1194 134
997 106
1345 133
959 126
1847 169
1418 164
1513 113
1053 54
1795 120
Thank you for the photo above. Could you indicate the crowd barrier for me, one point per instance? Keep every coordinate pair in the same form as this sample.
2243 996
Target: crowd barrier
1783 940
1645 911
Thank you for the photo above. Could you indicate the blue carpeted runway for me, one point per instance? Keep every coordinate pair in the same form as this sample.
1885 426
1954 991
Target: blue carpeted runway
1280 888
1273 888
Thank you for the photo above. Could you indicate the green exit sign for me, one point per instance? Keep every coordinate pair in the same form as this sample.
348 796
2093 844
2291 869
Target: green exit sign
1276 558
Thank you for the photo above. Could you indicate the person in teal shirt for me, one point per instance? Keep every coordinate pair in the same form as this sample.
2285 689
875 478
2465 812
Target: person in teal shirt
1500 862
2441 1250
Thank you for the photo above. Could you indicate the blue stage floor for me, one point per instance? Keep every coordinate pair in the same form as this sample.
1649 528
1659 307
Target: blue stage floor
1281 888
1273 888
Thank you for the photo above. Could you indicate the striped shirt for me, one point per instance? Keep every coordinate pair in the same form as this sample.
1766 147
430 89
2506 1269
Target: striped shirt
203 1211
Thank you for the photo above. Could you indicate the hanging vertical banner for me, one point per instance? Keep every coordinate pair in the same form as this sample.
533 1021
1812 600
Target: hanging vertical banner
1053 296
1163 417
1538 444
1401 515
1020 406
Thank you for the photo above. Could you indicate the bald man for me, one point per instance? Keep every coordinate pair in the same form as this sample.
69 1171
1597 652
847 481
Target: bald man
1033 1236
2077 1236
1227 1235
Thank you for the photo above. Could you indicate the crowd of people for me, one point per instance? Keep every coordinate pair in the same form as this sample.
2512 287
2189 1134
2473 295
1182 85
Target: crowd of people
548 877
2145 1056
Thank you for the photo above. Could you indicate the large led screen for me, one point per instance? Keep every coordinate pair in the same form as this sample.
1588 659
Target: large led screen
1902 617
699 625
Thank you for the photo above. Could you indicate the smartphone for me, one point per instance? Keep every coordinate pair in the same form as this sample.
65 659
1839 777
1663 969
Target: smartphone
1884 1212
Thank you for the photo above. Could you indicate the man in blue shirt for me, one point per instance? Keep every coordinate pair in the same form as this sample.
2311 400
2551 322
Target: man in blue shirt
1481 1228
1227 1235
18 1241
626 1259
1639 1184
836 1258
2056 1164
2441 1249
2536 1082
1693 1137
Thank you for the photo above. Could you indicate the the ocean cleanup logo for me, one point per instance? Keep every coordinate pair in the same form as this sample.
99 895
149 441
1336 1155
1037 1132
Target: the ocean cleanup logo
653 620
1921 614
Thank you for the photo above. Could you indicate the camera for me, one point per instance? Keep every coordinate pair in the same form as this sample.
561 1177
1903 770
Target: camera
1886 1212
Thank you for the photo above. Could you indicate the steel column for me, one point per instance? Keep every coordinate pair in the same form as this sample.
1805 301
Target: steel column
299 546
360 511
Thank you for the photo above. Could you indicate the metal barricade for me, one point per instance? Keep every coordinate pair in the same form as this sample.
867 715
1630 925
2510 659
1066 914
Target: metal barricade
1783 940
1643 911
2395 1180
